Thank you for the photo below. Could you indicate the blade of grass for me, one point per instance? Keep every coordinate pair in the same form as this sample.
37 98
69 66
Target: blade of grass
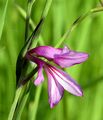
22 13
28 13
35 32
36 101
32 25
22 102
77 22
34 105
17 94
2 17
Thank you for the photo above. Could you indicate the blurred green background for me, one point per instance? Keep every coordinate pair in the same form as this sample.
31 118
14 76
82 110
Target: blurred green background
87 37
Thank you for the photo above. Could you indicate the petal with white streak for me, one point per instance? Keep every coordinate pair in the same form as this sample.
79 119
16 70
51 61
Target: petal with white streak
55 90
65 81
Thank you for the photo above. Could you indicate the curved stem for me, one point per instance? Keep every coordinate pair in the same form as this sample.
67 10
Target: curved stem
12 111
76 23
33 112
101 2
29 8
22 101
32 25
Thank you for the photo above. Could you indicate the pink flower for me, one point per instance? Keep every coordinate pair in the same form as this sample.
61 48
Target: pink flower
58 80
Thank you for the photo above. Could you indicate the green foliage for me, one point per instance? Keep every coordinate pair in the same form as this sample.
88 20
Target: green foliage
3 7
87 36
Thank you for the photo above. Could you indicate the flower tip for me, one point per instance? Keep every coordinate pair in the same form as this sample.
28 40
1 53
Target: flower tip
85 56
80 94
35 83
52 105
78 91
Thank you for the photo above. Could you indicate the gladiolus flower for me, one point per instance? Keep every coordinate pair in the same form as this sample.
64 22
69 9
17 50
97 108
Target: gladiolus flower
58 80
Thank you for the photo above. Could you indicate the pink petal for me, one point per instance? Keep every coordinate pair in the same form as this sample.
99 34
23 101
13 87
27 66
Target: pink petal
45 51
65 81
34 59
55 90
65 50
40 63
70 58
40 77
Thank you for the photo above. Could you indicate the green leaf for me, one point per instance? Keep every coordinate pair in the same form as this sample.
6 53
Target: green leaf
2 16
11 114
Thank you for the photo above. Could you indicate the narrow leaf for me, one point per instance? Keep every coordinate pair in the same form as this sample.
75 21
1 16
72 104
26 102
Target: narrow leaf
2 17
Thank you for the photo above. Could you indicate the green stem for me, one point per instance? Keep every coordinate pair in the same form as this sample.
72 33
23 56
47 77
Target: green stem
101 2
76 23
23 15
36 32
46 8
38 92
21 106
12 111
22 101
34 106
32 25
13 108
29 8
20 89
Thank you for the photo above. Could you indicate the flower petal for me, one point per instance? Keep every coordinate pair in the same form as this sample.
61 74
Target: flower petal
55 90
40 63
65 81
70 58
40 77
45 51
34 59
63 57
65 50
